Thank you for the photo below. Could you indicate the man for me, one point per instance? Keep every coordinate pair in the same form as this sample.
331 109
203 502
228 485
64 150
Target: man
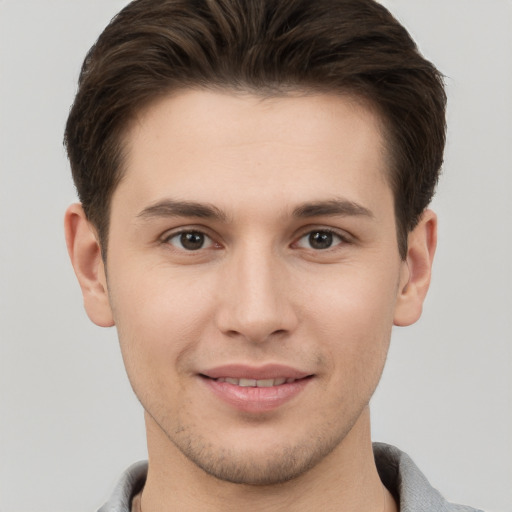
254 180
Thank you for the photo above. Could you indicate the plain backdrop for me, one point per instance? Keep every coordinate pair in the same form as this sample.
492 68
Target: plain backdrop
69 423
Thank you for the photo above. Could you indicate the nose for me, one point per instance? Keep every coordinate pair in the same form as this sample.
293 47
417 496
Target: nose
256 297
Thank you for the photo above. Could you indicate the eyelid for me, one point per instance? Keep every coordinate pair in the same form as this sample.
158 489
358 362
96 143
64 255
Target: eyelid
185 228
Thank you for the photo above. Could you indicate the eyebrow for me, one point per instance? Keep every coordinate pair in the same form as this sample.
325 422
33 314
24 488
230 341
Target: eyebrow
334 207
173 208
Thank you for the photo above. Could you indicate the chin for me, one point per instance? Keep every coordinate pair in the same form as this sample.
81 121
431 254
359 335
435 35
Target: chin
279 462
275 468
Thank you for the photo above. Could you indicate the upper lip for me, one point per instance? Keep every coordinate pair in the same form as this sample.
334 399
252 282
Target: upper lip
241 371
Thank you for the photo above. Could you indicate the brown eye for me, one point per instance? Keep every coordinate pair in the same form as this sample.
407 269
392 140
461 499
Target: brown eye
319 240
190 240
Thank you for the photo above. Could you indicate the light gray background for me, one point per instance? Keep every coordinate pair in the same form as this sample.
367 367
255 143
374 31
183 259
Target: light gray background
68 421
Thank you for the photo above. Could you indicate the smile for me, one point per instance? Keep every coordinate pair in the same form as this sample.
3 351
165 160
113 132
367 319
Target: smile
256 383
256 390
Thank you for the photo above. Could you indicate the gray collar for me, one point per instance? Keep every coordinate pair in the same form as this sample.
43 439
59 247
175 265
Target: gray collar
408 484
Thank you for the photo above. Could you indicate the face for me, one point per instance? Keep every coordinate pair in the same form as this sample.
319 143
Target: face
253 275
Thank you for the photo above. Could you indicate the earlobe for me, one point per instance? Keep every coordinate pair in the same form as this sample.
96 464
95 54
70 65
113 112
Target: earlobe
85 254
416 270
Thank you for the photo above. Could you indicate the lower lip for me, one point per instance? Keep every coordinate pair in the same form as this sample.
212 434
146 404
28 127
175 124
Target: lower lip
254 399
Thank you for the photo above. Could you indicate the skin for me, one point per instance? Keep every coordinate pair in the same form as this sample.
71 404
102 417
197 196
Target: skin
259 291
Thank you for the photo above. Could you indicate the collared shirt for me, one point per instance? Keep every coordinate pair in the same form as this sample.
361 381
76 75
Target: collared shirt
397 471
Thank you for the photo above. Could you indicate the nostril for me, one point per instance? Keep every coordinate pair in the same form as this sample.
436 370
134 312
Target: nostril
257 335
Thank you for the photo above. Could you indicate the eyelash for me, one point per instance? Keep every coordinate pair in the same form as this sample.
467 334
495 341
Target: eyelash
343 239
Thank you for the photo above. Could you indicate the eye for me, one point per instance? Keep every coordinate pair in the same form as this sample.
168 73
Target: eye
190 240
319 240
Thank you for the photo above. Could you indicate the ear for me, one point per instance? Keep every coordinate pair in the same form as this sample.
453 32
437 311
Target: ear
416 270
85 253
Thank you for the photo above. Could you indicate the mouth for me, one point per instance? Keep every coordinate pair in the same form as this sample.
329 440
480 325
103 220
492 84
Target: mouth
251 376
256 390
256 383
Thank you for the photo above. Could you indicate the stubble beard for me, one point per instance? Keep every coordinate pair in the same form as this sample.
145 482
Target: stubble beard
256 465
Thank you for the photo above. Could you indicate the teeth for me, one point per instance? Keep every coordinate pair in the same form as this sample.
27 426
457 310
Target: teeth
247 383
253 383
266 383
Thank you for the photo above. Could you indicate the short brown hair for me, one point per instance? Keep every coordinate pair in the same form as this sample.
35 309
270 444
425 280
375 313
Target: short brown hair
265 47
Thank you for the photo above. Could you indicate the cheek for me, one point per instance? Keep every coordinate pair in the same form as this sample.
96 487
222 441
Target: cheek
354 301
352 317
158 322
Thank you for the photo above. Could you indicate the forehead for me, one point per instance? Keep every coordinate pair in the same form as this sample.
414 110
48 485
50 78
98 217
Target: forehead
234 146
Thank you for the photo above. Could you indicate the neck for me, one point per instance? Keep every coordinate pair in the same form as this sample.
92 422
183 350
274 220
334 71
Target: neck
345 480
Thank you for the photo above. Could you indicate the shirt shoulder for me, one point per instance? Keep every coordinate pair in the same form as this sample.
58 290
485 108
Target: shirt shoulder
130 483
408 485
